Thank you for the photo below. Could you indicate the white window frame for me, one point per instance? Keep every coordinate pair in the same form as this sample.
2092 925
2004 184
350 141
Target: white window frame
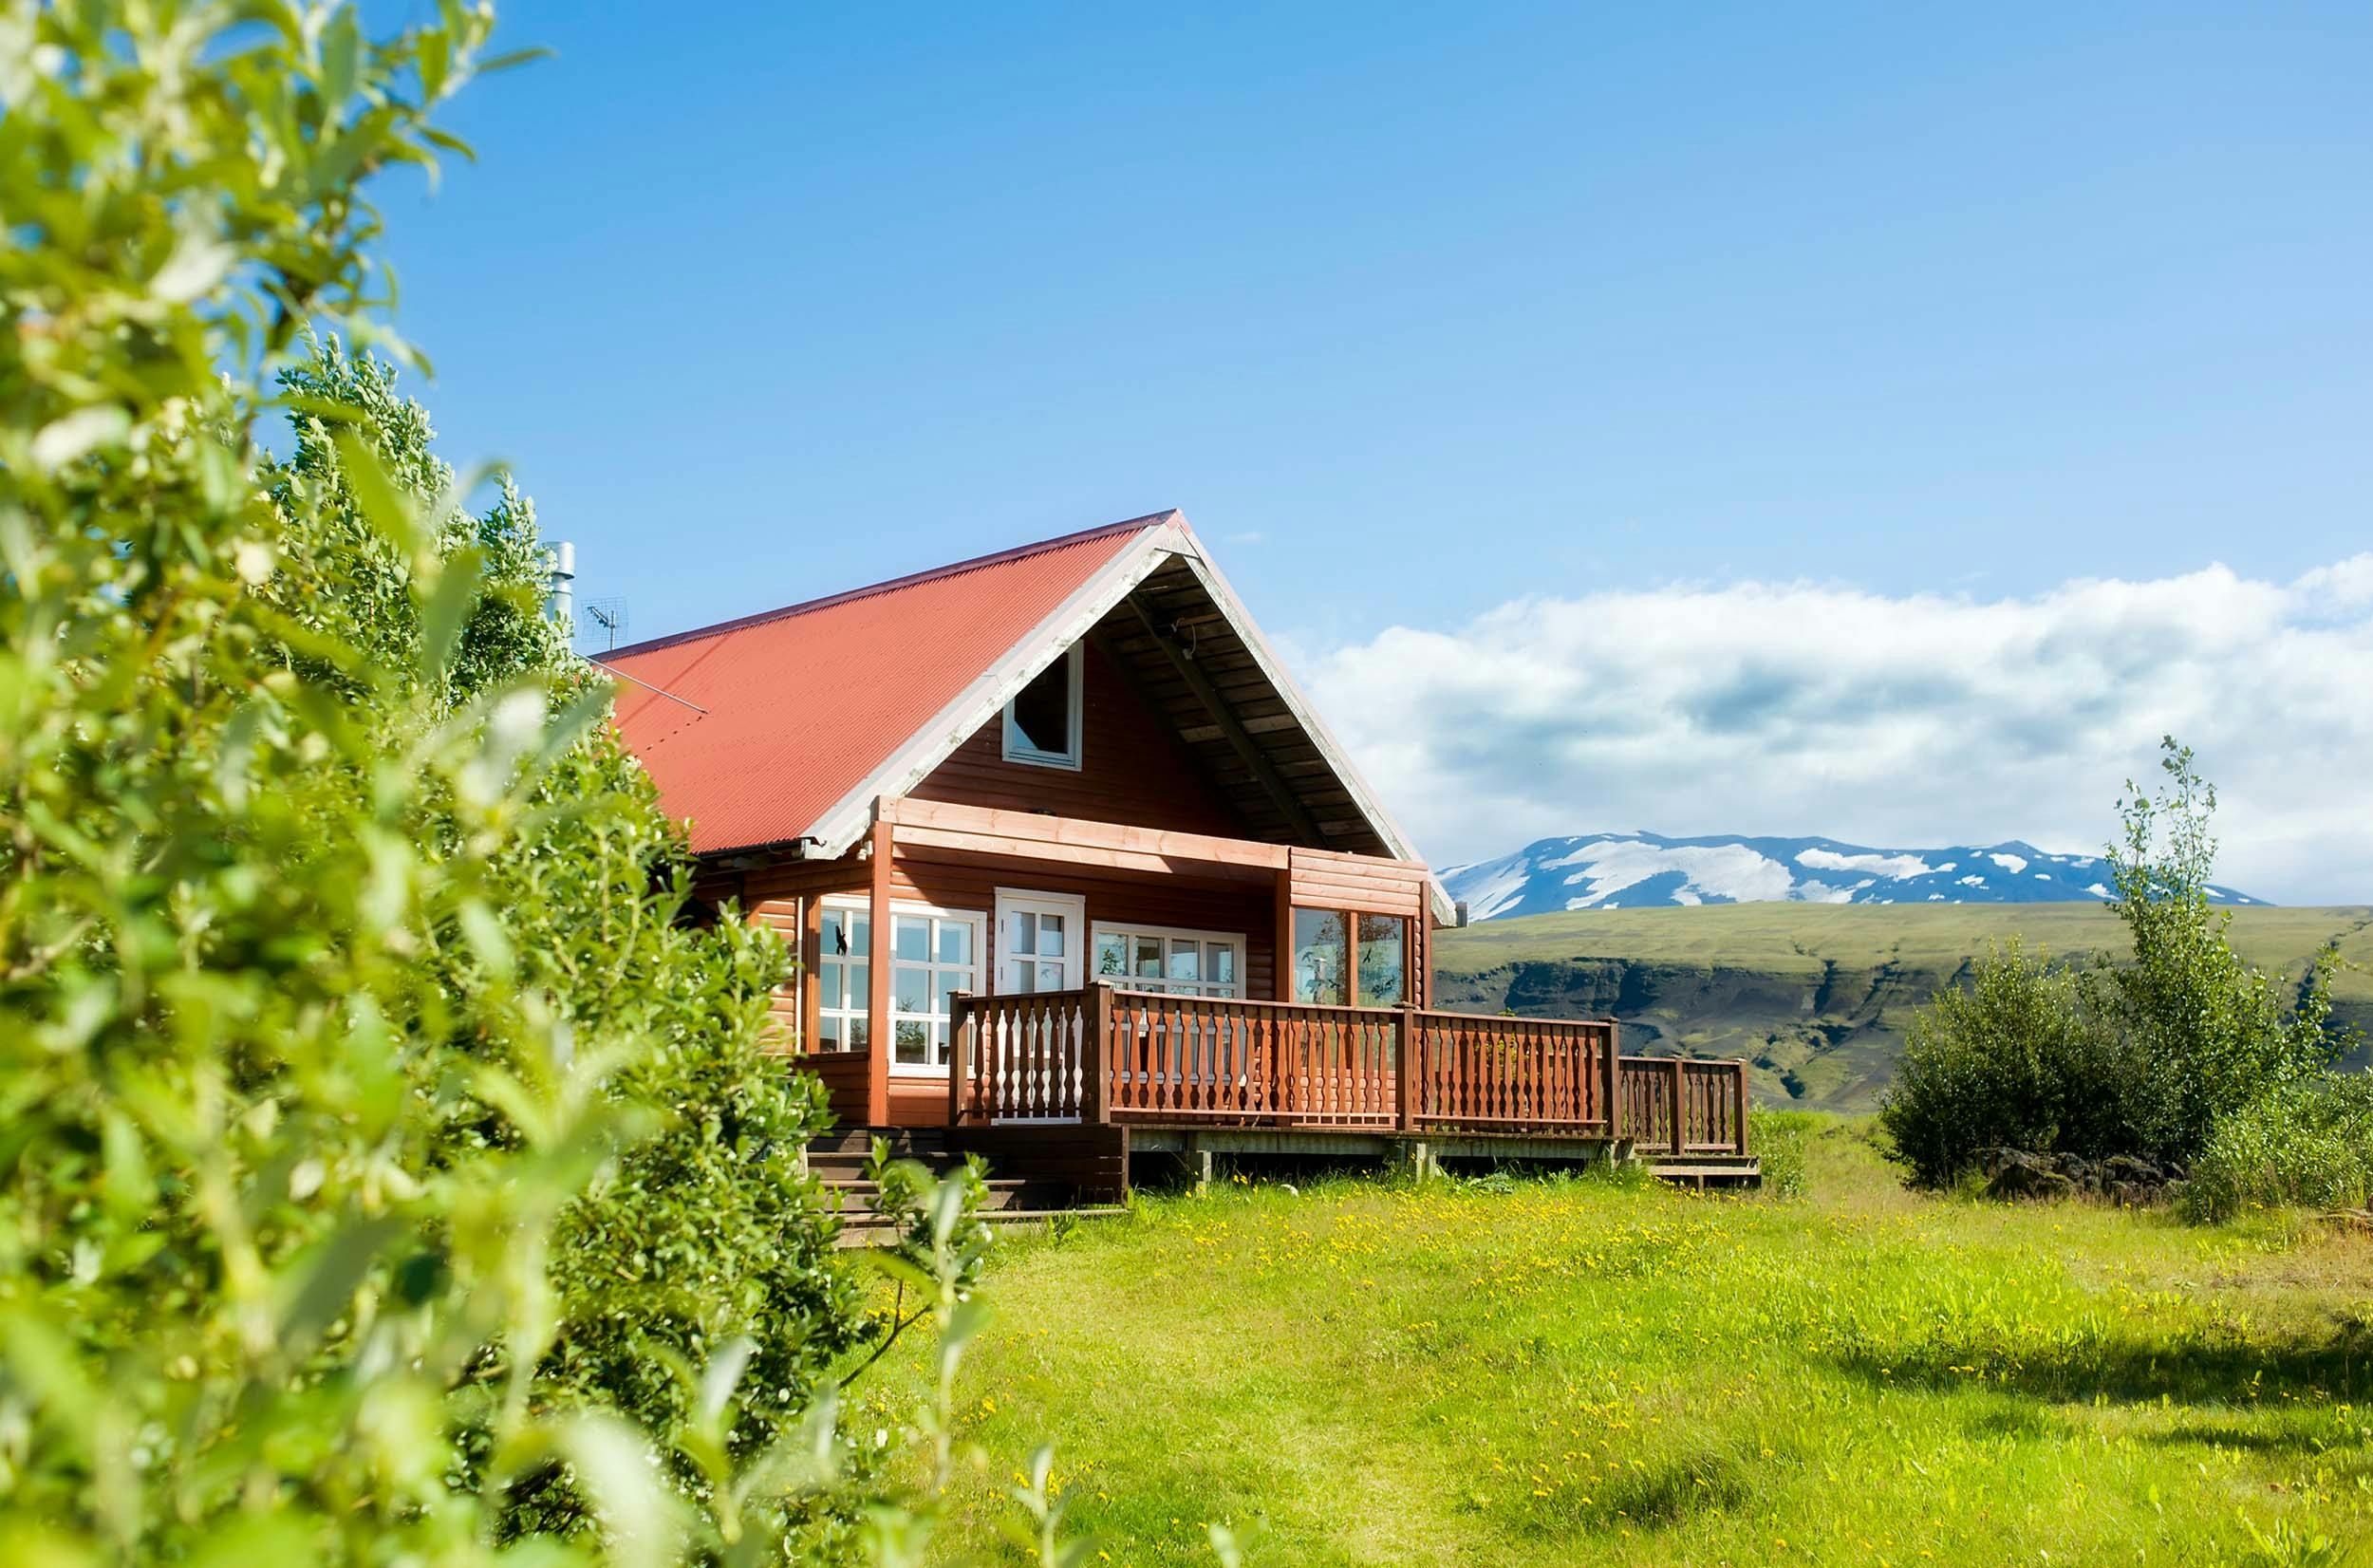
1018 750
1072 906
1230 990
880 948
826 1006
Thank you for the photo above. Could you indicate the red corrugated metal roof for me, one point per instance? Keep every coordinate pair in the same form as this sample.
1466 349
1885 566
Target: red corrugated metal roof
805 703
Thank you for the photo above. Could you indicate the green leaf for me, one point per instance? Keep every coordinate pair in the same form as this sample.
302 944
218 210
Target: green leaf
375 495
72 436
516 58
618 1478
446 611
436 137
328 1276
341 52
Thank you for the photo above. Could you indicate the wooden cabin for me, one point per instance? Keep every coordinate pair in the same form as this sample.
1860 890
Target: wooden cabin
1072 870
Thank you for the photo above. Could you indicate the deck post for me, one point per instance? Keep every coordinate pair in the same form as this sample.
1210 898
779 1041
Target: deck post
877 1006
1420 1161
1282 966
1680 1089
1408 1039
960 1058
1095 1054
1611 1079
1742 1104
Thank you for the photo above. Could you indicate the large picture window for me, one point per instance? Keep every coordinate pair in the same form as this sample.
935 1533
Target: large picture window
1321 970
1344 958
1383 978
1042 722
933 954
1162 958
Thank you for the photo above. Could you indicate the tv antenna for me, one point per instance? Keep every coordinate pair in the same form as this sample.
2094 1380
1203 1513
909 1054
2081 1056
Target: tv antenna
608 619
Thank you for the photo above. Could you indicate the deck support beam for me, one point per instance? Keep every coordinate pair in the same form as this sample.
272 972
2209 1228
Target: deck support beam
1421 1166
878 1001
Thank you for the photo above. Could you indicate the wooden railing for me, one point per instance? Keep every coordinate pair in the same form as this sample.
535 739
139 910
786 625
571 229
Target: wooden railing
1025 1058
1105 1054
1676 1105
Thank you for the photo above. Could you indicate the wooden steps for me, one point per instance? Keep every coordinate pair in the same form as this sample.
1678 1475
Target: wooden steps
1043 1190
1704 1170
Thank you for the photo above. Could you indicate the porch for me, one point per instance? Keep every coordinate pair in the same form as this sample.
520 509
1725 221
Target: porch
1198 1075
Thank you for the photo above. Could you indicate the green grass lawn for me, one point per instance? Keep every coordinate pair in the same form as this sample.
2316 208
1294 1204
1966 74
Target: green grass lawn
1588 1371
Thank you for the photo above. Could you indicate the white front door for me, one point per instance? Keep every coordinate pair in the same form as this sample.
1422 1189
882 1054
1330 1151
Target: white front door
1041 939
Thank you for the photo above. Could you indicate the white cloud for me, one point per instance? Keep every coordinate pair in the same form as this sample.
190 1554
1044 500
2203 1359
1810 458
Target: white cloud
1799 708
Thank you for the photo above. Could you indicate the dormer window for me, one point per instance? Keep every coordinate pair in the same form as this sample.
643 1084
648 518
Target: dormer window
1042 720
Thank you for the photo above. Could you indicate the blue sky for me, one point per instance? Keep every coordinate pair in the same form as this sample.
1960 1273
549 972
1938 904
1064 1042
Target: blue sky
1420 311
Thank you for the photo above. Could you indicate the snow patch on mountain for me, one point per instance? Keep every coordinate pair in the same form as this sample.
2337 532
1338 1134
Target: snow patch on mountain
1732 873
1897 867
1641 871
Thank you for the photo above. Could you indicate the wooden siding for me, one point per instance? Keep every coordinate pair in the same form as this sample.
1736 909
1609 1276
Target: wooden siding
1326 880
1132 768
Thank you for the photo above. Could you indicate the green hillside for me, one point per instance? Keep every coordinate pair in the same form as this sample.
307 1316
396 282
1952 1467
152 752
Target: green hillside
1817 995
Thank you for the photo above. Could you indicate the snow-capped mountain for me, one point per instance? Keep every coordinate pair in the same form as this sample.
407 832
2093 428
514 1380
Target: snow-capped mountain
1641 871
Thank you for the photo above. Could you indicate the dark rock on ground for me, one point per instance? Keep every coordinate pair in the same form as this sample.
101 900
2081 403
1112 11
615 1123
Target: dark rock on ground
2125 1179
2021 1175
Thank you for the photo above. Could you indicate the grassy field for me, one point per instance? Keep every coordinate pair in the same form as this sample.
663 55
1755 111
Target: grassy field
1553 1372
1816 996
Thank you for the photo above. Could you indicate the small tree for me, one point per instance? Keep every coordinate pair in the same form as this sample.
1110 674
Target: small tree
2212 1034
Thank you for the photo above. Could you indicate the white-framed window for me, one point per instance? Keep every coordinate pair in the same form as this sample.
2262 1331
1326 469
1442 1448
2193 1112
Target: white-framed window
1039 941
1163 958
933 953
1042 720
843 975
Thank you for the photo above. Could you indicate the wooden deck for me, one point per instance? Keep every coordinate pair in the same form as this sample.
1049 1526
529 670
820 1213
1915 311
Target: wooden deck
1103 1057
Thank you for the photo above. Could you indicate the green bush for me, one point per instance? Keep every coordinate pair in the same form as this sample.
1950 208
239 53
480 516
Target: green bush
1777 1138
706 1232
383 1171
2022 1057
2307 1143
2143 1058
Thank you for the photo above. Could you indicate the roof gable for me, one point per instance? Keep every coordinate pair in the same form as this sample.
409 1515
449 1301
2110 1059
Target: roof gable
786 727
757 728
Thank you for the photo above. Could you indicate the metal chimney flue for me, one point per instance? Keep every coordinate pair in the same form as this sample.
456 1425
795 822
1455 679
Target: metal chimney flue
562 603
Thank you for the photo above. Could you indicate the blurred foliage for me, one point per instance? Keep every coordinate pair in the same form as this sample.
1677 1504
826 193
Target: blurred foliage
383 1171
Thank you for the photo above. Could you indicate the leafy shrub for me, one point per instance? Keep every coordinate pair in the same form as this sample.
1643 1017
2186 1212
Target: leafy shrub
2309 1143
2143 1058
373 1134
1777 1138
2022 1058
705 1233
